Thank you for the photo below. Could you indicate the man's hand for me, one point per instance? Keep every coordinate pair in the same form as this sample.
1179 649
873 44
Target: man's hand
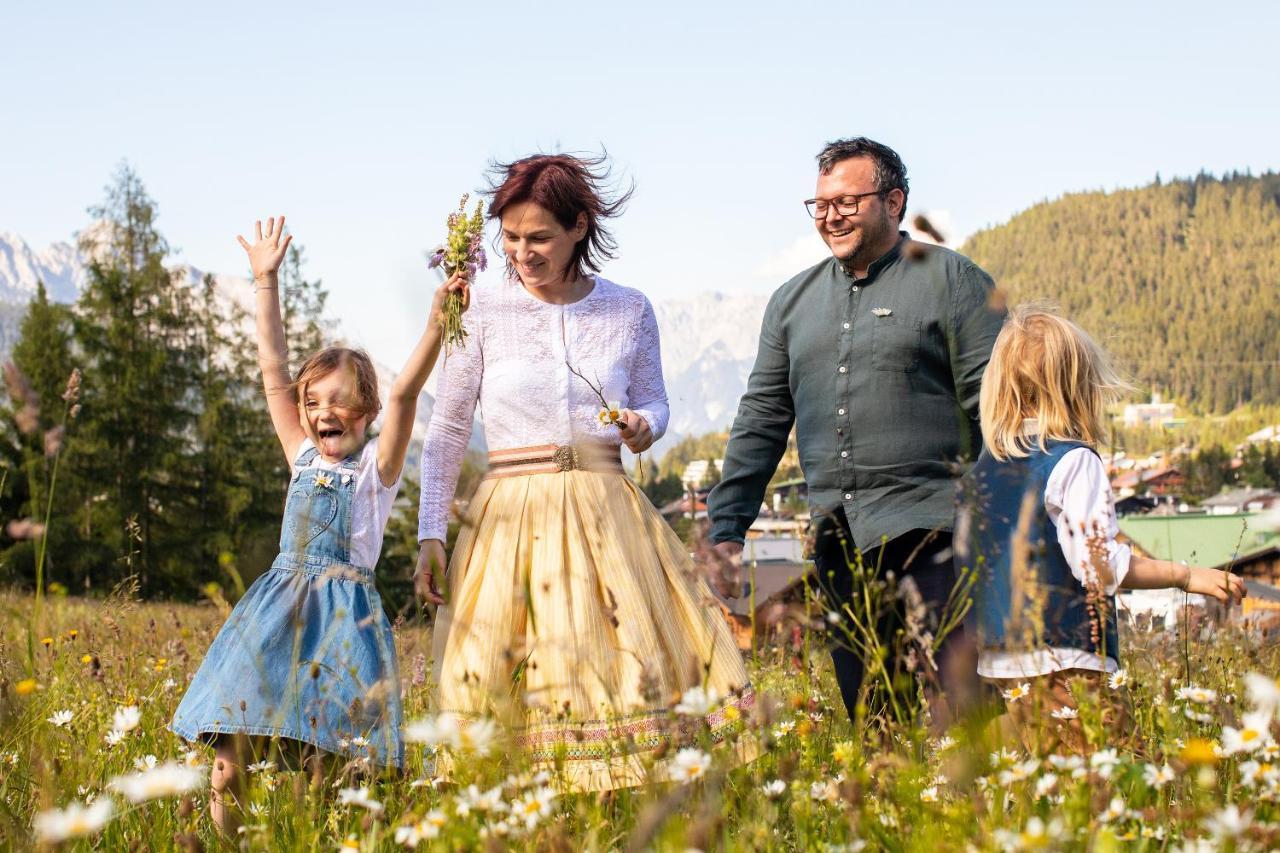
432 563
635 431
724 569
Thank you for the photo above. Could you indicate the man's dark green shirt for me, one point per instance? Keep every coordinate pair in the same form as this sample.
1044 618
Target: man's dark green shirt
880 377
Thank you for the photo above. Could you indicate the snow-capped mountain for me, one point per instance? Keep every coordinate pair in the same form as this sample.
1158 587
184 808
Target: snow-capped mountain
708 340
708 348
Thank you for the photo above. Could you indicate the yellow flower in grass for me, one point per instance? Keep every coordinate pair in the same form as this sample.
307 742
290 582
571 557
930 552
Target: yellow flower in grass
46 641
1199 751
72 634
26 687
731 713
86 658
844 752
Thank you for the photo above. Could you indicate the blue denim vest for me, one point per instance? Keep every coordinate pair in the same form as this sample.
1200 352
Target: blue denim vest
993 496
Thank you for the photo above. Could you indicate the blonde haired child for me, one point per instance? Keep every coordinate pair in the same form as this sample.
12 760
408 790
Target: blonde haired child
1037 523
306 658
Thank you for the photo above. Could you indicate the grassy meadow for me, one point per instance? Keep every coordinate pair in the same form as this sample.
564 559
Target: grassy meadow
86 760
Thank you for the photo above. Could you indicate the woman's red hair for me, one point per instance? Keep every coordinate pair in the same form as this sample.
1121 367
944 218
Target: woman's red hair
566 186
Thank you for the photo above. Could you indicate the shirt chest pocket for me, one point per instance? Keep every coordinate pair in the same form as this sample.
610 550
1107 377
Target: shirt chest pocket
895 343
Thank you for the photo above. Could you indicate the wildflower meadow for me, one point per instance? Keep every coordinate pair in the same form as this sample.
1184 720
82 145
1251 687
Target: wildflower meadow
88 762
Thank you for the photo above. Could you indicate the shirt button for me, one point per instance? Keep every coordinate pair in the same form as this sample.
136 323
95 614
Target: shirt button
846 325
855 288
840 412
844 369
844 454
848 496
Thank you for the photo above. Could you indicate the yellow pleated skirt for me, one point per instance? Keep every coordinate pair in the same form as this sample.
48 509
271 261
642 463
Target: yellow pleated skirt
577 618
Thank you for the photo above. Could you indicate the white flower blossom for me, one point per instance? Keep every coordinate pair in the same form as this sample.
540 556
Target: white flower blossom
1157 777
1200 695
690 764
75 821
1263 692
1020 691
61 718
1229 822
166 780
698 702
1064 713
1103 762
774 788
147 762
359 797
1045 785
1253 734
1118 679
533 806
261 767
126 719
114 737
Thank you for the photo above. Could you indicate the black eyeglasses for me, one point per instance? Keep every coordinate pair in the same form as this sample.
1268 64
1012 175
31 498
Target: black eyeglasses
845 205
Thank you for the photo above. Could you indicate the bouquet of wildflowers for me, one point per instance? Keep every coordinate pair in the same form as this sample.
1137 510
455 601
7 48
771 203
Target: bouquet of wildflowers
463 250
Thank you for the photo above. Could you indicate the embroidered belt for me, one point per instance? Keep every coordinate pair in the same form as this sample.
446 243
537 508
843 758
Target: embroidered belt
553 459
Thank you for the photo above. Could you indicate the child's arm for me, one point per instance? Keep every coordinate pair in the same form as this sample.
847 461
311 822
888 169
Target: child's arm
402 401
265 257
1146 573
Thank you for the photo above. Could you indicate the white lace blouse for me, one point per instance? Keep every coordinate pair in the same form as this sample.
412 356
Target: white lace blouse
515 363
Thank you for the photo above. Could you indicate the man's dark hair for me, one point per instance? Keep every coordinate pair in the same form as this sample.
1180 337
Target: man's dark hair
890 173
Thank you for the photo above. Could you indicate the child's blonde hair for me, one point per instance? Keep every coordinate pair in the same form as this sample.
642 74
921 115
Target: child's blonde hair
333 358
1043 366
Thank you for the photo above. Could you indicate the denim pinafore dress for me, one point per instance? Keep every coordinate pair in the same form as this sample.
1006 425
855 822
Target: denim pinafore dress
307 654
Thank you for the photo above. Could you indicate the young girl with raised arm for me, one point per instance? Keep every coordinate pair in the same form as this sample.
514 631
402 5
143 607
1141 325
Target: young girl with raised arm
307 657
1039 528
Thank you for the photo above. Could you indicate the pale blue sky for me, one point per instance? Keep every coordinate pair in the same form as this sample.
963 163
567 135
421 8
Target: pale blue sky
364 126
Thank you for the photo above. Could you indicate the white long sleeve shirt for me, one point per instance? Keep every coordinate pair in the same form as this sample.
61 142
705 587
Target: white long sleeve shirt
1076 494
515 364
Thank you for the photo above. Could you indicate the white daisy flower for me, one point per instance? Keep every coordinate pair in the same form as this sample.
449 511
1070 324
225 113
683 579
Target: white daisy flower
698 702
1045 785
261 767
1157 777
1019 691
359 797
1064 713
127 719
690 764
1200 695
147 762
929 795
166 780
75 821
1118 679
61 718
1117 809
1264 693
1253 734
114 736
1104 761
774 788
1229 822
783 729
1019 772
533 806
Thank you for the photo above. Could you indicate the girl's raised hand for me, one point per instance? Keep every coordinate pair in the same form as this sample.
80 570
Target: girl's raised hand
457 283
267 253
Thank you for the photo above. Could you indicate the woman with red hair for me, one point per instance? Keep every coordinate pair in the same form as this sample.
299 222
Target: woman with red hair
574 613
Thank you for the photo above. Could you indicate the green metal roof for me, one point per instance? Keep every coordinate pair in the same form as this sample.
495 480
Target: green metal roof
1201 540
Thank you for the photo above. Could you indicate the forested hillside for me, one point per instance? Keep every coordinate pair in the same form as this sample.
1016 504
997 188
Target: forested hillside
1180 280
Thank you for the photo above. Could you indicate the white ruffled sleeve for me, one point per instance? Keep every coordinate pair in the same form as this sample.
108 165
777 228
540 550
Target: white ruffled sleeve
1078 499
450 430
647 393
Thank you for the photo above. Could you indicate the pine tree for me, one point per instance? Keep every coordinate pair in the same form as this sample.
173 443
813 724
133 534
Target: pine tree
135 326
42 355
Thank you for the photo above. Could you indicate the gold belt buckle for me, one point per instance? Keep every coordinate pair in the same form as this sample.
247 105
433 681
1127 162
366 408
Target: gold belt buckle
566 458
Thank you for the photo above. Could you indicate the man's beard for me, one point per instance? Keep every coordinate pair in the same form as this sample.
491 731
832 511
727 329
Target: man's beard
868 240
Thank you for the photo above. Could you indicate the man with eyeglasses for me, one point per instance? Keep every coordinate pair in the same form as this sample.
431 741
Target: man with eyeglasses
875 355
